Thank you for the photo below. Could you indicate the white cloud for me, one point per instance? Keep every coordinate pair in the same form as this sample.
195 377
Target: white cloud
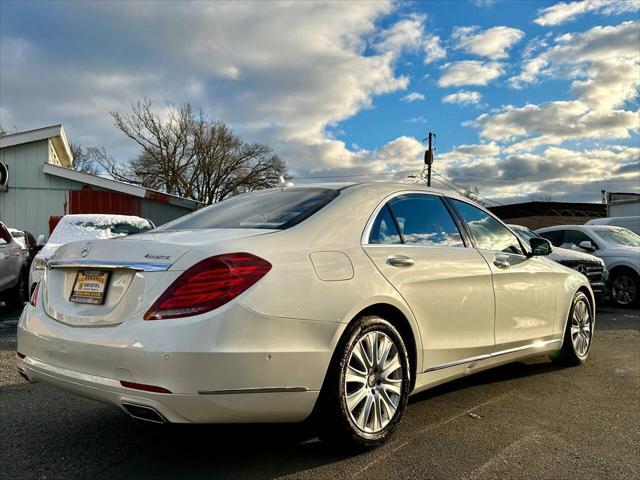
284 89
413 97
492 43
560 173
604 63
469 72
564 12
463 97
408 34
405 34
433 51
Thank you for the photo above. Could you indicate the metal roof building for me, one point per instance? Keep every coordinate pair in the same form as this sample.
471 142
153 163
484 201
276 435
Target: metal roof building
547 214
41 187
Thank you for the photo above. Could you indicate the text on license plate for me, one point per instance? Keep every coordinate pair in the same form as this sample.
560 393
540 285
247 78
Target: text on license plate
90 287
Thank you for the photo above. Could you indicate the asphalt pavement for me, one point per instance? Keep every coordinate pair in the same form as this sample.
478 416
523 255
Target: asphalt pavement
525 420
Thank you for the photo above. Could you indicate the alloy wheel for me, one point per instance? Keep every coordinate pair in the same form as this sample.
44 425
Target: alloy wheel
373 381
581 326
623 289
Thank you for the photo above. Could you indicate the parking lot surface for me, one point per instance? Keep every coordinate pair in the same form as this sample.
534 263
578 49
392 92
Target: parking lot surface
524 420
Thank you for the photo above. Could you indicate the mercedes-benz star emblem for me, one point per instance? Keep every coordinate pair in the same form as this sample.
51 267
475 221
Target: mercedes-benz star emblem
85 249
582 269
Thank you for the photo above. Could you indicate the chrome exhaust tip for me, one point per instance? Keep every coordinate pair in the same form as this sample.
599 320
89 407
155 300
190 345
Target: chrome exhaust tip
142 412
24 375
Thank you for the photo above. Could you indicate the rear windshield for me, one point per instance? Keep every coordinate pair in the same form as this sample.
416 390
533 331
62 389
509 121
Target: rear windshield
269 209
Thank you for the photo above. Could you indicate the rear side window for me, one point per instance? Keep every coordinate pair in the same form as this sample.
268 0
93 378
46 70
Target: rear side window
423 220
554 236
267 209
384 230
488 232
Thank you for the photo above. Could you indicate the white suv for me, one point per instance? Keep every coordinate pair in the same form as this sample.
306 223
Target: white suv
13 273
617 246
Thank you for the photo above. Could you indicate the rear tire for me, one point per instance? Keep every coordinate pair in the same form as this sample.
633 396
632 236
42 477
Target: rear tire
578 334
367 386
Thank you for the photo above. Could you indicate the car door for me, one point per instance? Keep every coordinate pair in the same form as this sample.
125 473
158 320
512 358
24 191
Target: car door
523 285
9 259
417 245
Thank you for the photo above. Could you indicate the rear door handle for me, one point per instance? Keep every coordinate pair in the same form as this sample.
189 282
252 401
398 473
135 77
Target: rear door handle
501 263
401 261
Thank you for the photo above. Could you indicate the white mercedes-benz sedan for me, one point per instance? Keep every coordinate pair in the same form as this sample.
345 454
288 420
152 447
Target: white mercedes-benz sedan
333 301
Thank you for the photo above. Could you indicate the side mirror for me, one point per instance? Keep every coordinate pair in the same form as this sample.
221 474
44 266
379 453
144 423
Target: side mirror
540 246
41 241
587 245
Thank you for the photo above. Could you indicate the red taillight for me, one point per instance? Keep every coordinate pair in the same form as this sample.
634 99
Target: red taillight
209 284
143 387
34 296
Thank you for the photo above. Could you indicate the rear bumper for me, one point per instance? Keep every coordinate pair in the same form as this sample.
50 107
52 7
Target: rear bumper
178 408
232 367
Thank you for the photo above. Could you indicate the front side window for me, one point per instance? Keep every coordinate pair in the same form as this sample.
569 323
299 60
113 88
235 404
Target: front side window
267 209
5 236
424 220
554 236
488 232
573 238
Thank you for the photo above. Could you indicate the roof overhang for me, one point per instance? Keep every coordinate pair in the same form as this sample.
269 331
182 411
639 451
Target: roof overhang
55 133
120 187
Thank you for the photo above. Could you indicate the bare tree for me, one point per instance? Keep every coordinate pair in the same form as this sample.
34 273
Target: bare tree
84 159
186 154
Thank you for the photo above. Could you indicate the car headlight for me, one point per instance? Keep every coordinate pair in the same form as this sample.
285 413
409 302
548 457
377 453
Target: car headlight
39 264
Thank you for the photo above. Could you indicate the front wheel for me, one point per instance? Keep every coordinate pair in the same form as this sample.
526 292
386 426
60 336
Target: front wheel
578 333
625 289
367 386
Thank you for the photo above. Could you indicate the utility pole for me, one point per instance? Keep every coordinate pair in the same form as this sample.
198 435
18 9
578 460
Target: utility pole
428 157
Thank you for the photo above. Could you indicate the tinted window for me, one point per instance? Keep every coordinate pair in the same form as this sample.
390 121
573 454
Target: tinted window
488 232
424 220
572 239
5 236
384 229
268 209
554 236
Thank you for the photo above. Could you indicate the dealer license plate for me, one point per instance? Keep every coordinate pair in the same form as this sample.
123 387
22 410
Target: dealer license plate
90 287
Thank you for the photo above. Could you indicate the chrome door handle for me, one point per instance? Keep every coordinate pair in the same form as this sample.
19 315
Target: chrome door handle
501 263
400 261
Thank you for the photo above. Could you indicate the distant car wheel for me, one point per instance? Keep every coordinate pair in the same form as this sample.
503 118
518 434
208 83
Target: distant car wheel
367 386
625 288
578 334
17 295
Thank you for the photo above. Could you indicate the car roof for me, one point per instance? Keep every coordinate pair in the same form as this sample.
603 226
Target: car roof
381 187
574 227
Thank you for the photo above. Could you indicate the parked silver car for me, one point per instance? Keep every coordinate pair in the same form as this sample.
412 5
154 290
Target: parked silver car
617 246
14 261
590 266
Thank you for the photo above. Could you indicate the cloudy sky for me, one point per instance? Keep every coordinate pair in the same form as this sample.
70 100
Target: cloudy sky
528 99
